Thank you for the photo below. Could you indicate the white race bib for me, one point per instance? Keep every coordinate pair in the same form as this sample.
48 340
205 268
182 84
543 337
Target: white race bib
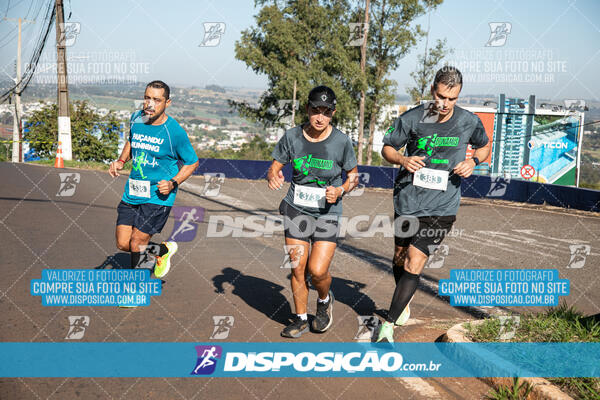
307 196
431 178
139 188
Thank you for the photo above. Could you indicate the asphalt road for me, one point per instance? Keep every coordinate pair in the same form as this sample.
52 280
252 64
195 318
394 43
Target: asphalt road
241 277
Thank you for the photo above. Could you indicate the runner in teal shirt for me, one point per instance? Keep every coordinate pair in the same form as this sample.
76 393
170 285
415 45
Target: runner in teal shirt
155 151
157 143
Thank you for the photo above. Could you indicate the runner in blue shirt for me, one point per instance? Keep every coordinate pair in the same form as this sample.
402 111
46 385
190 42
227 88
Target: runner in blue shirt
156 143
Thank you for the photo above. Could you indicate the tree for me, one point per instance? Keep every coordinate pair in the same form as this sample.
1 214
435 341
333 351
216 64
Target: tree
427 67
391 35
301 41
94 138
425 72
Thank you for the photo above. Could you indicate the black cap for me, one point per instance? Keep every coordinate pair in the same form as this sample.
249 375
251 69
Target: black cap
322 96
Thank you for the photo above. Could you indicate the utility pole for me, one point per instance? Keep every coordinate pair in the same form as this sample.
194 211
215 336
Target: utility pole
293 105
64 120
363 61
17 149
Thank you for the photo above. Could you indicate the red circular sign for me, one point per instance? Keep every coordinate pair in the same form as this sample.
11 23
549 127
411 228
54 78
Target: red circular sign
527 171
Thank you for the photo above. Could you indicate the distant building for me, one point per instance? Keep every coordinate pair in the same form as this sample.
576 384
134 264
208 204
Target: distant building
513 128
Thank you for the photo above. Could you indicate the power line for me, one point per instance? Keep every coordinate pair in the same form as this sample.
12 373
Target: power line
20 86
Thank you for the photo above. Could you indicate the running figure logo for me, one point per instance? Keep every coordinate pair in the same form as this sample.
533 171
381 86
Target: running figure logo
579 252
498 186
147 256
368 325
68 183
212 34
69 32
223 324
363 179
207 359
301 163
137 164
357 34
424 143
575 105
186 223
498 34
213 182
437 255
77 325
138 104
508 326
430 113
293 254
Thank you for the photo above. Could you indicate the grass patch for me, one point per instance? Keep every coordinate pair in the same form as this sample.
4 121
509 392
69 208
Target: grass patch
557 324
81 164
519 390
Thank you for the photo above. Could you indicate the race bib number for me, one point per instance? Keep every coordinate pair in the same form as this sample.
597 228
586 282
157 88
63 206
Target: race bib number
139 188
309 196
431 178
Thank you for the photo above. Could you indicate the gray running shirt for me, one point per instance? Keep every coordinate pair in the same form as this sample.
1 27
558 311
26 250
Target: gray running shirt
444 145
315 164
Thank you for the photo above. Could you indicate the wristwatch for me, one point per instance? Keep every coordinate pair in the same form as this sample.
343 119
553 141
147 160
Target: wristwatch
477 162
343 191
175 184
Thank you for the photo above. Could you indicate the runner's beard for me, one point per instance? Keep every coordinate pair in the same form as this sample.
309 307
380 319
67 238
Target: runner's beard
149 119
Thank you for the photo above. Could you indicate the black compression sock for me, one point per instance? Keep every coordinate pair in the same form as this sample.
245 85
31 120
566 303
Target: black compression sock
135 258
405 289
398 272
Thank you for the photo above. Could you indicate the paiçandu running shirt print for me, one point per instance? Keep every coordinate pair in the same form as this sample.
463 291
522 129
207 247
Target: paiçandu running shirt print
155 150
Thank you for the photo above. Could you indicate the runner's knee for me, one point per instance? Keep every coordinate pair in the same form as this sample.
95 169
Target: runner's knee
318 276
138 240
123 245
415 263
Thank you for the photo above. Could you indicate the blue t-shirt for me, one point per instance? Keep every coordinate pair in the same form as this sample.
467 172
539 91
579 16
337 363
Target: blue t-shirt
155 150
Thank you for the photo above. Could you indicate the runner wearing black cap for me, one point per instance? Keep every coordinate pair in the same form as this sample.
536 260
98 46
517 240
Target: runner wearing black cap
313 204
435 136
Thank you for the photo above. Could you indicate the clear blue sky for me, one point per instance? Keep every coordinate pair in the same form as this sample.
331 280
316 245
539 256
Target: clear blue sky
164 36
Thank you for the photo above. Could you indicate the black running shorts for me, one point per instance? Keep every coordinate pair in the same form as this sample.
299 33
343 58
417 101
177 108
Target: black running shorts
430 234
148 218
307 228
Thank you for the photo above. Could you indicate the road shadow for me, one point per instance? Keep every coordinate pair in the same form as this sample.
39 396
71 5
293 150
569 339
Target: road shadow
351 293
267 297
260 294
122 260
116 261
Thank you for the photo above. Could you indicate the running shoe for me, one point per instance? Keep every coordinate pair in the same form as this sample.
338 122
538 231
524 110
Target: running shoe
403 318
296 328
324 317
386 331
163 263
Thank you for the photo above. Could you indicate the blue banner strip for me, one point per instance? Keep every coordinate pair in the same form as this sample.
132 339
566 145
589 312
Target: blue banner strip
299 359
478 186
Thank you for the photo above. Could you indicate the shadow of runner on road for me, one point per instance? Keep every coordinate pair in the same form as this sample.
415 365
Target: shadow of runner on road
260 294
123 261
350 293
116 261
